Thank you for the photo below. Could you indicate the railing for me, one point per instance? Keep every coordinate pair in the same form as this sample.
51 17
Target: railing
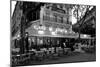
55 12
54 16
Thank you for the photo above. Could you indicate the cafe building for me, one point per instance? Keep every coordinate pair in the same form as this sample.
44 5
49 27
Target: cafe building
47 37
53 29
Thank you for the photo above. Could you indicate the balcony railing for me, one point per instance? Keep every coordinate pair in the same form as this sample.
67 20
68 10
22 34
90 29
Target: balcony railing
54 16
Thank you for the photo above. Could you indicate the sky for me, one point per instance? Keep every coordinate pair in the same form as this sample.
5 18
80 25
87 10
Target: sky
74 20
13 3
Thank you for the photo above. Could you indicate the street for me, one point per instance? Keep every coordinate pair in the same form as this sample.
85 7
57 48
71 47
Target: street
73 57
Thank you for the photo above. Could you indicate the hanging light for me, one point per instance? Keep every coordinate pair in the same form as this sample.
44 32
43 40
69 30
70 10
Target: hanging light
58 29
53 33
40 32
84 35
62 30
41 27
18 35
36 27
18 55
65 31
50 29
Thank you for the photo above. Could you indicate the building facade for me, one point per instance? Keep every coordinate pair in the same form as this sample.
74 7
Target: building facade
54 26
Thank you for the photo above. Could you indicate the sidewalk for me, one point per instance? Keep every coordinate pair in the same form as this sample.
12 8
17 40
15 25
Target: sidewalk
73 57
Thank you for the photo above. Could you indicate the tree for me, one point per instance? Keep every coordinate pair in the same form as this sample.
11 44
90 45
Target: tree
80 11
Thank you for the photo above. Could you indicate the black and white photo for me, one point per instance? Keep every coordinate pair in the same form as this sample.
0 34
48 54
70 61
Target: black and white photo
51 33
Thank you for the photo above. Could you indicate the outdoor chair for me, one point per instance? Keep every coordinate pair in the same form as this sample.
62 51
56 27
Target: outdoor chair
48 54
67 50
60 52
39 55
20 59
32 54
55 54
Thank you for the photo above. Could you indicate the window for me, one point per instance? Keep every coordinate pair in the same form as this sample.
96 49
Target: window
55 16
39 41
60 6
61 19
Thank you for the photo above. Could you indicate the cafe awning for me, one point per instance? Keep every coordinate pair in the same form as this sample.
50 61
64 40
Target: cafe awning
33 32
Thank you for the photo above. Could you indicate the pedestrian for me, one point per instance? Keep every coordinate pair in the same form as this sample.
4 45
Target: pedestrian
26 42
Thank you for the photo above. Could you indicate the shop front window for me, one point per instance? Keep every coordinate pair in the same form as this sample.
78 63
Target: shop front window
55 18
39 41
61 19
